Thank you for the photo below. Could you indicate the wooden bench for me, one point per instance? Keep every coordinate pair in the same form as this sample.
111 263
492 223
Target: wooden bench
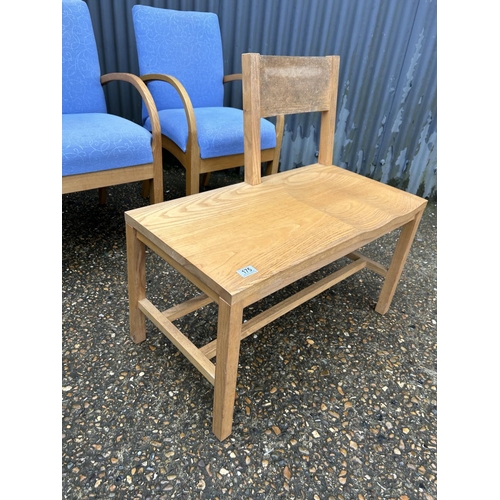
243 242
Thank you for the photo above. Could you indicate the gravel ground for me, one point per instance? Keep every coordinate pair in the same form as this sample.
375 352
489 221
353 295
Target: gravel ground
334 400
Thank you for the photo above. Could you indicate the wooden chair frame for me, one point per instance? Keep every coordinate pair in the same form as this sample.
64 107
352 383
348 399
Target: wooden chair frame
150 173
191 160
241 243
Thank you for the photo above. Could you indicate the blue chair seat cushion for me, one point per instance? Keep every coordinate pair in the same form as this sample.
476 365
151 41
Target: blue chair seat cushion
220 130
92 142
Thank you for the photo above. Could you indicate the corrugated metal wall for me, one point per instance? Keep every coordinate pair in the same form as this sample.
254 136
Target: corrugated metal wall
386 125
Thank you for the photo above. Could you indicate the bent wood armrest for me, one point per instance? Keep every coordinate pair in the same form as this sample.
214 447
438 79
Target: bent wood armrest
192 144
147 98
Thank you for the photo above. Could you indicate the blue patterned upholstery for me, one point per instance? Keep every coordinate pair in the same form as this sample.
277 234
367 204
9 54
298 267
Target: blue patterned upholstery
81 90
92 140
96 141
188 46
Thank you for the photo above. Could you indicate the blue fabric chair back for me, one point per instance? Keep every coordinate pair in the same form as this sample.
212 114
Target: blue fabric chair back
183 44
82 91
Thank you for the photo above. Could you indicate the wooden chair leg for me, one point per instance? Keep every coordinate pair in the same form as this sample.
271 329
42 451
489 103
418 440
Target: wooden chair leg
192 182
156 192
136 269
101 192
193 176
146 188
401 252
226 367
205 178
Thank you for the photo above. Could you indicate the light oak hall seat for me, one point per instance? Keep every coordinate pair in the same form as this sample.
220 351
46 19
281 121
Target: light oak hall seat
243 242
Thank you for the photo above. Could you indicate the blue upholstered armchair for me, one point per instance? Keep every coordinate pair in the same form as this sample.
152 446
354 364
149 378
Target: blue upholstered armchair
180 58
100 149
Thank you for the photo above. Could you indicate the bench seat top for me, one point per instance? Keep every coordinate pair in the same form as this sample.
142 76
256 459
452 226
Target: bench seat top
291 224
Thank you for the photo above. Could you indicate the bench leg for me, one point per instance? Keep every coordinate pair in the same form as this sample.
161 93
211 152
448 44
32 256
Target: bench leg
226 367
136 269
401 252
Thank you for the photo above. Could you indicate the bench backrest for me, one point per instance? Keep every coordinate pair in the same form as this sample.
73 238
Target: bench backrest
281 85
